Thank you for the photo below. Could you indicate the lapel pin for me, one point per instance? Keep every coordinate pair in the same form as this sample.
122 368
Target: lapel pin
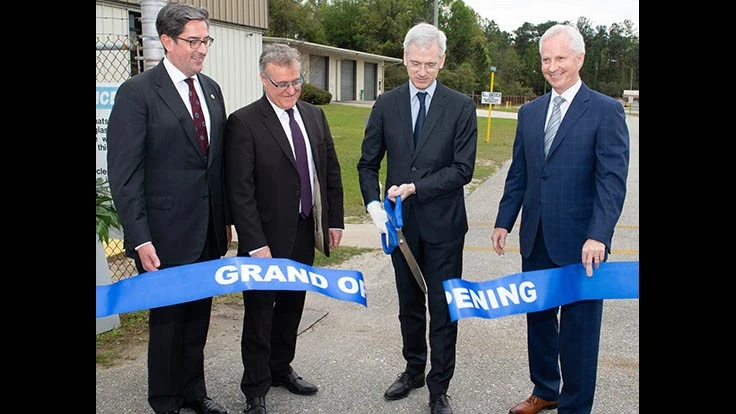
212 96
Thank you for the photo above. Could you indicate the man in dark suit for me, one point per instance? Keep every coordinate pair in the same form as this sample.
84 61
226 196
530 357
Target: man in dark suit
428 173
570 193
169 190
265 183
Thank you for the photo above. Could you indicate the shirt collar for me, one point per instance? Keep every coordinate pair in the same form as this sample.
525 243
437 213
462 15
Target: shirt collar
174 73
413 89
569 94
280 111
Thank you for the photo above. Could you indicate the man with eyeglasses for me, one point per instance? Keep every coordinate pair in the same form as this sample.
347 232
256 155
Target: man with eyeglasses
285 190
431 156
166 171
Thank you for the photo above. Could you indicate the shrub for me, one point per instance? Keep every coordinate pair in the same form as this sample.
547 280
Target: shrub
315 95
107 216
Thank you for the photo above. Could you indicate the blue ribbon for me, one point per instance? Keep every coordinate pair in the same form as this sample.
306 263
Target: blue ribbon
539 290
232 274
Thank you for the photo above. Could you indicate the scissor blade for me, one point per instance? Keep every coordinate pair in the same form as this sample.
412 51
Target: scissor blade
411 261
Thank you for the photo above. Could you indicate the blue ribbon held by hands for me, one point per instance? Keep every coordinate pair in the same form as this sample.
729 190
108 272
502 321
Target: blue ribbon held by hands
539 290
216 277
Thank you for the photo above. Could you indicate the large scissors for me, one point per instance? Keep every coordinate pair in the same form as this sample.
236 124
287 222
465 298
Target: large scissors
394 236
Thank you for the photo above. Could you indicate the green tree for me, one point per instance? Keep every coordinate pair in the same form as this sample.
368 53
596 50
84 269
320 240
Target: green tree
285 19
474 43
385 22
341 22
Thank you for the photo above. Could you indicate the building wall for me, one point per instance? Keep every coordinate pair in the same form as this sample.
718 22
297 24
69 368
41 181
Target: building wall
238 27
360 64
233 63
336 56
111 19
252 13
232 60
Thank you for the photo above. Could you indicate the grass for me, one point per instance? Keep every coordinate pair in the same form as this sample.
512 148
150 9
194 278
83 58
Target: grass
347 124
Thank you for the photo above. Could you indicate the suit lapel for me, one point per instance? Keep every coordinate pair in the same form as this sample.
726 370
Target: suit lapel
578 107
313 136
436 108
538 124
213 107
403 104
273 125
314 132
171 98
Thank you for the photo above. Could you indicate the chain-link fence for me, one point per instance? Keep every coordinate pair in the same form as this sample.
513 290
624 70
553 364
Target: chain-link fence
118 58
120 265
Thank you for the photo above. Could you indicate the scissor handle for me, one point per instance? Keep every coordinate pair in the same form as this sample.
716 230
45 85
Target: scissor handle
394 213
390 239
393 239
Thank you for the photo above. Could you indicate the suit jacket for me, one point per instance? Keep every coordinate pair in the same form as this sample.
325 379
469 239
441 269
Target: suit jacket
162 187
579 191
440 165
263 181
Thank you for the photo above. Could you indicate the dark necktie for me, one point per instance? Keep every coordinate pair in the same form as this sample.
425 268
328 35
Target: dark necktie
420 116
302 164
553 124
198 116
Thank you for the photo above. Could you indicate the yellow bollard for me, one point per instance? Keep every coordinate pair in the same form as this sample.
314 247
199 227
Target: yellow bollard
490 106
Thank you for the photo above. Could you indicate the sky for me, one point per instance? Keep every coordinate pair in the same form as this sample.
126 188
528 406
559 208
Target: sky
510 14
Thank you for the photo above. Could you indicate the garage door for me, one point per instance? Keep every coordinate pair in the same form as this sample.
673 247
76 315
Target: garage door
347 80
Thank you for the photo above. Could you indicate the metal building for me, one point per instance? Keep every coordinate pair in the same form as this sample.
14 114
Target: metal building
125 31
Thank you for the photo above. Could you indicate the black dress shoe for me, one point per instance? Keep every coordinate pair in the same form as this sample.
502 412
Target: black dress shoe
256 405
440 404
205 406
403 384
295 384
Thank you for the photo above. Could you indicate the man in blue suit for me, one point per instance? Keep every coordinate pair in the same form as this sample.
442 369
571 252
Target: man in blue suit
570 193
427 169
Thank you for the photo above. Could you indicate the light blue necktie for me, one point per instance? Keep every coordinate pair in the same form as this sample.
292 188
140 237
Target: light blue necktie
554 123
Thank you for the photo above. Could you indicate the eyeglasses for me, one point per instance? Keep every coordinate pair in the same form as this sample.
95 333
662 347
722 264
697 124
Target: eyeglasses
196 43
295 84
429 66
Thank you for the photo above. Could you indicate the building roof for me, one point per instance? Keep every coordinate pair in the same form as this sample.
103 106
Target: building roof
314 48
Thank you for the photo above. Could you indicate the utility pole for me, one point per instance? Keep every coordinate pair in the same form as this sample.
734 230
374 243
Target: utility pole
631 79
436 13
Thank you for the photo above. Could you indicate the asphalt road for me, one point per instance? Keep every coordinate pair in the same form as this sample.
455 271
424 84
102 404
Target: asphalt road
353 352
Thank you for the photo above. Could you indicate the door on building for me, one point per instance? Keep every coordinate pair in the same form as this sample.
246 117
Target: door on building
347 80
370 73
319 71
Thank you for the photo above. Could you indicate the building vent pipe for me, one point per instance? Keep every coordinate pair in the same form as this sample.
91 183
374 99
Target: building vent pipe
153 50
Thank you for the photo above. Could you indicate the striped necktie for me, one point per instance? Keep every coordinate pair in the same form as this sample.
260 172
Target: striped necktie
554 123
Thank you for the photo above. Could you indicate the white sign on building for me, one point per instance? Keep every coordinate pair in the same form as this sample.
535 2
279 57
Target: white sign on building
105 99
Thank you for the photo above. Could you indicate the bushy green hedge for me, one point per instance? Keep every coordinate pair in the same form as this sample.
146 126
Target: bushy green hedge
315 95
